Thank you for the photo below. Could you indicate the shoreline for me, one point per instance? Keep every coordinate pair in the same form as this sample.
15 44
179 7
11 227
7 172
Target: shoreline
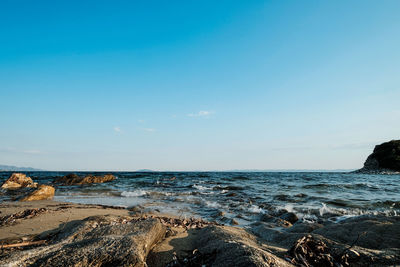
366 240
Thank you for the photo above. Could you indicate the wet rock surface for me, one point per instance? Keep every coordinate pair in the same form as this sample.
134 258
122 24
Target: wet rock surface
95 241
18 180
73 179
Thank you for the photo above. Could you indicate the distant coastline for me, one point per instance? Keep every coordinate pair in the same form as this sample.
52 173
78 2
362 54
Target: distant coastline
9 168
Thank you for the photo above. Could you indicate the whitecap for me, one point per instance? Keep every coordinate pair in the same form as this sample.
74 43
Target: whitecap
136 193
200 187
255 209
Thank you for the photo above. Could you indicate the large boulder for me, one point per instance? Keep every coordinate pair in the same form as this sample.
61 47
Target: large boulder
385 156
95 241
18 180
73 179
229 246
43 192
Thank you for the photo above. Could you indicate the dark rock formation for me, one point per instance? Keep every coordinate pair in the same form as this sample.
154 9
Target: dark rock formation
95 241
73 179
384 159
18 180
360 241
290 217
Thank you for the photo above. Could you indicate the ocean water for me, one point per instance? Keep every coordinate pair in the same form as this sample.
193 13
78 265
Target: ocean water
245 197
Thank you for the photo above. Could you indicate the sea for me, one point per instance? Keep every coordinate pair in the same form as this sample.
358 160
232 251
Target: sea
243 197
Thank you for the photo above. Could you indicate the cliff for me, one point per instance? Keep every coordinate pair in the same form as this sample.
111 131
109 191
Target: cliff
384 159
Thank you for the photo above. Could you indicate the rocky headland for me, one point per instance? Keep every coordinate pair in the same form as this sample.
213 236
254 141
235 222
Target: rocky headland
385 159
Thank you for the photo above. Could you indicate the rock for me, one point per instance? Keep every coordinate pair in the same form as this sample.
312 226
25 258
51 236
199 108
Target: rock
43 192
95 241
274 221
231 246
385 157
290 217
234 222
217 213
18 180
372 232
375 239
73 179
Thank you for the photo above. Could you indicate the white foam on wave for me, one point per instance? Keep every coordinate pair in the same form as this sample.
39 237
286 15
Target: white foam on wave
256 209
136 193
201 188
212 204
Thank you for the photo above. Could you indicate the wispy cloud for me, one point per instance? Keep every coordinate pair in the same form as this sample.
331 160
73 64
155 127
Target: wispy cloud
149 130
201 113
141 121
117 129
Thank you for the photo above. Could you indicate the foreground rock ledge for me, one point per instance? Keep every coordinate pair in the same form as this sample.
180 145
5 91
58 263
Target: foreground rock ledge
95 241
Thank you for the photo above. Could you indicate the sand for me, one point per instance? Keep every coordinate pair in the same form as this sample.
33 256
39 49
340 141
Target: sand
58 213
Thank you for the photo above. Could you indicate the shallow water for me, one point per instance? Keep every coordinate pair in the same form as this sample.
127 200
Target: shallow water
245 197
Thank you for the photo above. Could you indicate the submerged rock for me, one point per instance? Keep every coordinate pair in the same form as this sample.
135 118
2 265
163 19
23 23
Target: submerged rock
290 217
43 192
73 179
384 159
18 180
95 241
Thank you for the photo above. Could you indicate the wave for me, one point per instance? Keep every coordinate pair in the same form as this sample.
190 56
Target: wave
136 193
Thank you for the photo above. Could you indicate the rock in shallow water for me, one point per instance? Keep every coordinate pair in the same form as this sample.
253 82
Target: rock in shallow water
290 217
95 241
43 192
18 180
73 179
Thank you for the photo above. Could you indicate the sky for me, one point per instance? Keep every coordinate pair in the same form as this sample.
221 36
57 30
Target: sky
197 85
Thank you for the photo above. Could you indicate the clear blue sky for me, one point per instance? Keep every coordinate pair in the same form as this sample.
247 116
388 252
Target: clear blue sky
197 85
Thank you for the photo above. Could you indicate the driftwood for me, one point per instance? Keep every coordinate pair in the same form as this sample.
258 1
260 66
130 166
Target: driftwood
23 244
308 252
189 223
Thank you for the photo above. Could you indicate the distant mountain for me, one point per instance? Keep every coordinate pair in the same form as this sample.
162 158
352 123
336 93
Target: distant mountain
291 170
145 170
5 168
